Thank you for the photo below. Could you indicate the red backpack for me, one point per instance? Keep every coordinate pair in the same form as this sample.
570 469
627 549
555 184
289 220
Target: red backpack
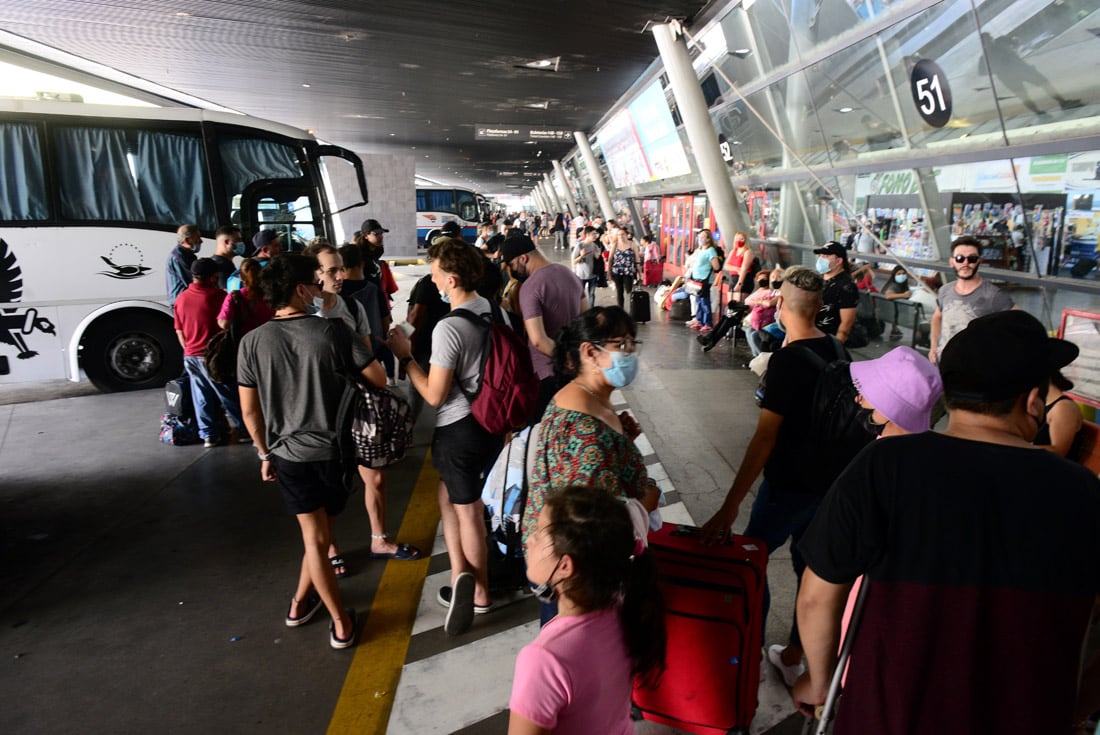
508 389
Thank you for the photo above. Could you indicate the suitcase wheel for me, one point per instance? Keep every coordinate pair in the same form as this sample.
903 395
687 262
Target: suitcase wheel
635 714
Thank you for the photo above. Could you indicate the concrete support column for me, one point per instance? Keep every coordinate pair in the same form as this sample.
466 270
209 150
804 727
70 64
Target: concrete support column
570 205
538 197
544 193
728 207
598 184
554 199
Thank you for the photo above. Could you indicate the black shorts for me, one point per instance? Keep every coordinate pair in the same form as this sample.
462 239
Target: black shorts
463 453
309 486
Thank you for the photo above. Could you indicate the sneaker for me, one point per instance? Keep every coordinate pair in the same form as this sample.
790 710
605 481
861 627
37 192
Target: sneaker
895 336
211 442
696 325
790 673
443 597
460 613
339 643
705 330
692 323
310 606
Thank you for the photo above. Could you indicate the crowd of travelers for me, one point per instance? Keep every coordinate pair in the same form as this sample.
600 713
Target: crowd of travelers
957 567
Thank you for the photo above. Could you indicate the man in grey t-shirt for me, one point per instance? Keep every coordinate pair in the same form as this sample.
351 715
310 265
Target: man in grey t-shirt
963 300
289 373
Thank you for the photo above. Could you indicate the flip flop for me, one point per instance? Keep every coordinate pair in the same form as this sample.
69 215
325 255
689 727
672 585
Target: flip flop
339 568
405 552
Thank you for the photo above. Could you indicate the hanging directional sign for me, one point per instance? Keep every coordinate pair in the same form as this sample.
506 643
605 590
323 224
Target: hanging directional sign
931 93
521 132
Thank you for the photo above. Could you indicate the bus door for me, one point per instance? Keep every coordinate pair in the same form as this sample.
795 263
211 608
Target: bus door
288 206
331 176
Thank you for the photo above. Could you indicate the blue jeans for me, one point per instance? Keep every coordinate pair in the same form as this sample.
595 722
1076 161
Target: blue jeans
589 285
777 516
208 396
753 337
702 306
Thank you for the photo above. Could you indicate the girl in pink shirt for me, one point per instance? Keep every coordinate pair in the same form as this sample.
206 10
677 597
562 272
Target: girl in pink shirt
578 674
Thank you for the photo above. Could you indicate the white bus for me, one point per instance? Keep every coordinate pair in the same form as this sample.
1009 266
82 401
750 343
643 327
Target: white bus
437 205
90 200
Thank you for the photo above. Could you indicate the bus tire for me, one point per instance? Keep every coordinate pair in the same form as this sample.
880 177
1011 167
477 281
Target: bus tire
131 349
432 234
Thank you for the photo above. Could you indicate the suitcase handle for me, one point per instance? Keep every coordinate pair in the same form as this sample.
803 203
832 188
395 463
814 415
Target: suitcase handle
685 531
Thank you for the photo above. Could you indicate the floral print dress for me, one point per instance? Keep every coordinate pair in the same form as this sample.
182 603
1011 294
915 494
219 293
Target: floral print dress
575 448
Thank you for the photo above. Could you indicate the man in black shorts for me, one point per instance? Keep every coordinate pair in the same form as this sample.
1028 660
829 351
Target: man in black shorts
289 372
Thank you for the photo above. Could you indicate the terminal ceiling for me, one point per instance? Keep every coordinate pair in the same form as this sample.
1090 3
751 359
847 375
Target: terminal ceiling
411 77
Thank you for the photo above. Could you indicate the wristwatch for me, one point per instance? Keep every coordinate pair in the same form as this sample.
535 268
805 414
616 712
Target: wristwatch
264 457
404 361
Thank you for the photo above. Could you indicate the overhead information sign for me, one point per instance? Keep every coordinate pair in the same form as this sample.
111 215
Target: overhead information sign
511 132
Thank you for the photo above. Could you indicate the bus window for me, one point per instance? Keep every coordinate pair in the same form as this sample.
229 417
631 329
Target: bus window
466 205
115 175
435 200
23 189
292 217
245 160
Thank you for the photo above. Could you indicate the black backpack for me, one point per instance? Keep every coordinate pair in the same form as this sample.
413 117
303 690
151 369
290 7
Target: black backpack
835 423
839 433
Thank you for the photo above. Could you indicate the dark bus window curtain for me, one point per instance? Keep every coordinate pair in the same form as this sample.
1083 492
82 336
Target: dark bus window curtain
23 186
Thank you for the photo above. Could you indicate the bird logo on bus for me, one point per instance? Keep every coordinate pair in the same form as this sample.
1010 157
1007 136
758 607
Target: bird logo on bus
128 271
16 324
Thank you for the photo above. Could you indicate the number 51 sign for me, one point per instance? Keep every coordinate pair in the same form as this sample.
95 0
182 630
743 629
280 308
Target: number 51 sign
931 93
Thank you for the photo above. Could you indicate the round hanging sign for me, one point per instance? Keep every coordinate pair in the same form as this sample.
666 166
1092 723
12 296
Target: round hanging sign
931 93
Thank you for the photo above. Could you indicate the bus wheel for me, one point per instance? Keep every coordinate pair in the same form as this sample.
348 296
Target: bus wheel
131 350
431 236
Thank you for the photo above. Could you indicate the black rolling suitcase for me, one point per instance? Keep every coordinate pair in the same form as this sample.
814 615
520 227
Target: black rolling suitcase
680 311
639 306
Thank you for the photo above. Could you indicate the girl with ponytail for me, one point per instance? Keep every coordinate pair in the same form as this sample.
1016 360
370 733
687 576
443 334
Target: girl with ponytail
587 552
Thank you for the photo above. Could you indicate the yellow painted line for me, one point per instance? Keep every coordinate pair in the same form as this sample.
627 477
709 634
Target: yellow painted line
366 699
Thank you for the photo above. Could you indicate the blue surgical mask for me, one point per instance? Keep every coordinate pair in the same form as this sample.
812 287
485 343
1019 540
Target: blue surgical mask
444 297
901 278
822 265
197 248
238 248
318 304
623 369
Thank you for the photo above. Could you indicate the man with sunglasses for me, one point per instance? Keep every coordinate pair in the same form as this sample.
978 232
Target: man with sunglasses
964 299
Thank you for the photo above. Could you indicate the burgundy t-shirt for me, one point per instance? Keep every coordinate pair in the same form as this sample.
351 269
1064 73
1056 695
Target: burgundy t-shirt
983 563
196 315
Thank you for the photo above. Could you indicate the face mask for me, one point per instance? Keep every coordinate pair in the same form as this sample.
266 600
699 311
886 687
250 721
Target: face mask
545 592
869 425
901 278
316 305
623 369
776 284
822 265
238 248
444 297
196 248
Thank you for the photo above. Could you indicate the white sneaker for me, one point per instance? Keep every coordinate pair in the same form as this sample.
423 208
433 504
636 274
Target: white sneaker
790 673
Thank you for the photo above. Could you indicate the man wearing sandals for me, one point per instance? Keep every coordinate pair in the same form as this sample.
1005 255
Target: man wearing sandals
289 372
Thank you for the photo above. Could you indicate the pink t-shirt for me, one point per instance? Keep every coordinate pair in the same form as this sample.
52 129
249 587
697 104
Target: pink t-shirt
575 677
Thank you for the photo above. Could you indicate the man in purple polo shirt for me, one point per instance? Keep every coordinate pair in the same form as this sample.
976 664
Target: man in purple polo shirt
550 297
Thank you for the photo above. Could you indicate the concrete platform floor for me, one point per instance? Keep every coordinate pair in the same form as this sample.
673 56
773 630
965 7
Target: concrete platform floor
144 585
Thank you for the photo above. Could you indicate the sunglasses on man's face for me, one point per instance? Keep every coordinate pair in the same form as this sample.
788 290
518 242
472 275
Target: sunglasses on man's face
971 259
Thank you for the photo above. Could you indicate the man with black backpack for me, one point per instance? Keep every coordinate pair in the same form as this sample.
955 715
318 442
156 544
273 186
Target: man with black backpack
807 389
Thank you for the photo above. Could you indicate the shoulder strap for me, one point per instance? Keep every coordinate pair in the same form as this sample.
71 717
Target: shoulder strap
483 321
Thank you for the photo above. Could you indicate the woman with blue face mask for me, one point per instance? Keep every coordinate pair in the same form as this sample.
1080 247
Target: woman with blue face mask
897 288
583 441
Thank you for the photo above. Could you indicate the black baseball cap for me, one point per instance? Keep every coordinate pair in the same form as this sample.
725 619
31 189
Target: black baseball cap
514 246
1001 356
372 225
204 268
832 248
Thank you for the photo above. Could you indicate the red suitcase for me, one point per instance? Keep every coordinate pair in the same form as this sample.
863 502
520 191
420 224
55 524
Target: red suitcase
714 598
653 273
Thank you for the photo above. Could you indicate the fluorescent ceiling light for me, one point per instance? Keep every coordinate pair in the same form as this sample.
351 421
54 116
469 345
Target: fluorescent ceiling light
846 109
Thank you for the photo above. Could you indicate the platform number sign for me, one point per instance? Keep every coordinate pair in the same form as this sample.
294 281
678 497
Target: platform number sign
931 93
